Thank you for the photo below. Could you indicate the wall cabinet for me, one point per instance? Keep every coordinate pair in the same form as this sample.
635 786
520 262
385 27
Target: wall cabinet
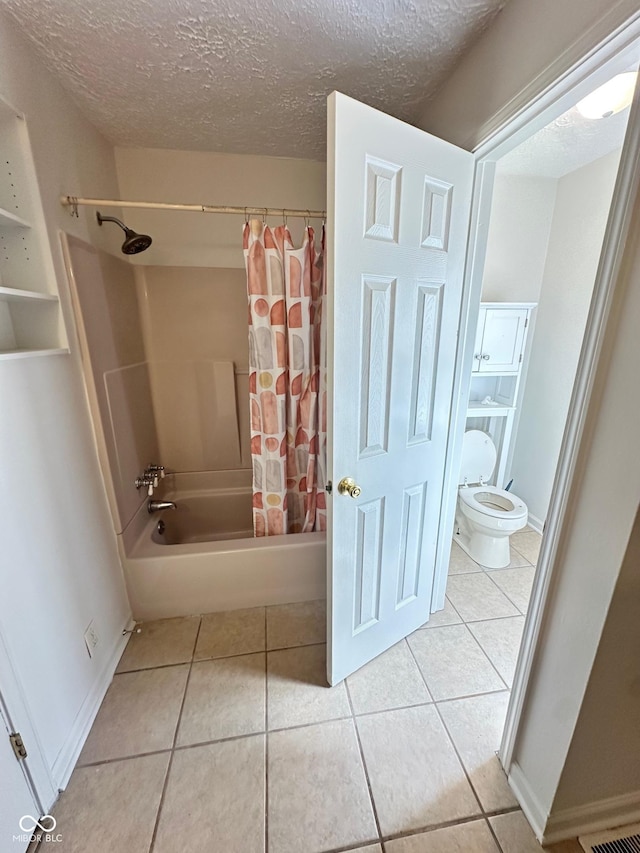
496 380
500 339
30 317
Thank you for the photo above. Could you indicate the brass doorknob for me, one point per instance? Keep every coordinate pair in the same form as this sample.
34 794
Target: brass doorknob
347 486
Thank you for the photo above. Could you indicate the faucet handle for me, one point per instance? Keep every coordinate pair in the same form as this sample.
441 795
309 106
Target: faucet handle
156 470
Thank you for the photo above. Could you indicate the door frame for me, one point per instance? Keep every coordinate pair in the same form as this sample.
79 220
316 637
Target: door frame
15 711
612 55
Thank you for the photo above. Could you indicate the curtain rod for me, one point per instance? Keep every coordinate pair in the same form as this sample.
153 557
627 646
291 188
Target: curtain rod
73 202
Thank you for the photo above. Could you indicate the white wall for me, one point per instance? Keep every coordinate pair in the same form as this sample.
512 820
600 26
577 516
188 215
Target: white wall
577 230
607 735
59 568
519 227
528 46
211 240
605 493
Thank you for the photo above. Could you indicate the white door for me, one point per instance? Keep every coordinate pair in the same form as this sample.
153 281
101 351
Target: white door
16 799
502 340
398 218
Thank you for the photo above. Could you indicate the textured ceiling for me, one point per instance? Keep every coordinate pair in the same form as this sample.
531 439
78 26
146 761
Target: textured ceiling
567 144
247 76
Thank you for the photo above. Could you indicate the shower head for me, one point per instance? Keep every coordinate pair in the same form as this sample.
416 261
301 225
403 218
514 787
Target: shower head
133 242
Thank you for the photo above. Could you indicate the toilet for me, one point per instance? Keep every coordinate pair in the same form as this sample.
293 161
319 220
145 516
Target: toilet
485 515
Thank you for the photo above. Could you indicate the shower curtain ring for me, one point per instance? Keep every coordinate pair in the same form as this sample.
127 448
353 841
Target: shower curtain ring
284 217
246 217
307 218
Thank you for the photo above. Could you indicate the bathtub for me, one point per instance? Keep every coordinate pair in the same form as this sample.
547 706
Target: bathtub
202 557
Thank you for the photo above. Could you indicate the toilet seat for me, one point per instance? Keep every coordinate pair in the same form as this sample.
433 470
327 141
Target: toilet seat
508 506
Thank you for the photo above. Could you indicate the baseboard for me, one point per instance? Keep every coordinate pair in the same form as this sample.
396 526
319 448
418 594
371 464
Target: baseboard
570 823
593 817
534 522
68 756
529 803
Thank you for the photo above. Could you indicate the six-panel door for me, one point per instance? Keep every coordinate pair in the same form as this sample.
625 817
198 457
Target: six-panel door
399 204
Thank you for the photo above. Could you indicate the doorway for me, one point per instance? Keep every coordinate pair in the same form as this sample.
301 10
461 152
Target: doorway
597 315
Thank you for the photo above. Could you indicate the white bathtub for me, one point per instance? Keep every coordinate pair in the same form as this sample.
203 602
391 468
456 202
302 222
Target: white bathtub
207 558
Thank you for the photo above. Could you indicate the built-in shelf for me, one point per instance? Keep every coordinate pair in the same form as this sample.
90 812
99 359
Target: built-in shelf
30 353
497 373
14 294
31 322
11 220
494 410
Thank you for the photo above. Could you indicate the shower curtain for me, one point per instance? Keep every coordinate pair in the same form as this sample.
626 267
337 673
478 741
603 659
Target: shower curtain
287 379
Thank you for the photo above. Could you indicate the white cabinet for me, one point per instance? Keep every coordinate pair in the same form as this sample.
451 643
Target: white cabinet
30 317
500 339
496 381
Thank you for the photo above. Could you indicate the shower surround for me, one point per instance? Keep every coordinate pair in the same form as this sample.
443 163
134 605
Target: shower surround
165 358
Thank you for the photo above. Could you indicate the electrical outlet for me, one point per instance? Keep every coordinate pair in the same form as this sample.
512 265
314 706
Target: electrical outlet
90 639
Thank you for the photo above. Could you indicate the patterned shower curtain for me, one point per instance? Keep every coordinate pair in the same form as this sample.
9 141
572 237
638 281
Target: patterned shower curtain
287 379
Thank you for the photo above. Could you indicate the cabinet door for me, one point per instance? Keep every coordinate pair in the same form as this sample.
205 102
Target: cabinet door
502 340
477 352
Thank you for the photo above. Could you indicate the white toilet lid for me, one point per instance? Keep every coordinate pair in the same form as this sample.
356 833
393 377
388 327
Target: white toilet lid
478 457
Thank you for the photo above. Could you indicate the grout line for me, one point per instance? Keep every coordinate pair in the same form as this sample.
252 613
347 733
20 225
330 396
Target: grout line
493 834
309 725
260 651
506 594
173 747
183 747
428 627
123 758
425 830
220 657
446 730
493 666
149 668
505 810
364 763
471 696
351 848
517 615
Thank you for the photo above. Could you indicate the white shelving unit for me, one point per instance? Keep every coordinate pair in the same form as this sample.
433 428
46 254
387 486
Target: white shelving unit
496 381
30 317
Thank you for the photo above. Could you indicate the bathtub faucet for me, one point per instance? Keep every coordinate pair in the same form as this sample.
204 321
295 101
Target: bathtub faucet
158 506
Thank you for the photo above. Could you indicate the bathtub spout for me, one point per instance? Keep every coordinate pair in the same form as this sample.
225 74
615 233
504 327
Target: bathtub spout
158 506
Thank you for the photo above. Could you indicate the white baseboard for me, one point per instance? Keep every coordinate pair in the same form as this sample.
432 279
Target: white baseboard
536 523
570 823
593 817
528 801
67 757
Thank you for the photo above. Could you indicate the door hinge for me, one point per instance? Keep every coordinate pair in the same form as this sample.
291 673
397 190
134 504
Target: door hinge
526 322
520 359
329 487
18 746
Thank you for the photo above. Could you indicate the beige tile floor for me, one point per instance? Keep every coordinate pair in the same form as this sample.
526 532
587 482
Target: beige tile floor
218 733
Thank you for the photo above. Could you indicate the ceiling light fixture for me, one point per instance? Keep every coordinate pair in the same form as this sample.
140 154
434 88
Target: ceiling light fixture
610 98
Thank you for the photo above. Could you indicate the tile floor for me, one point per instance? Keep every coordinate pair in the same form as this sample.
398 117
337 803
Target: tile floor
218 733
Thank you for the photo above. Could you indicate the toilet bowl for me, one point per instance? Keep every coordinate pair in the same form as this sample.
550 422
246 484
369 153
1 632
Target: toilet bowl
485 515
